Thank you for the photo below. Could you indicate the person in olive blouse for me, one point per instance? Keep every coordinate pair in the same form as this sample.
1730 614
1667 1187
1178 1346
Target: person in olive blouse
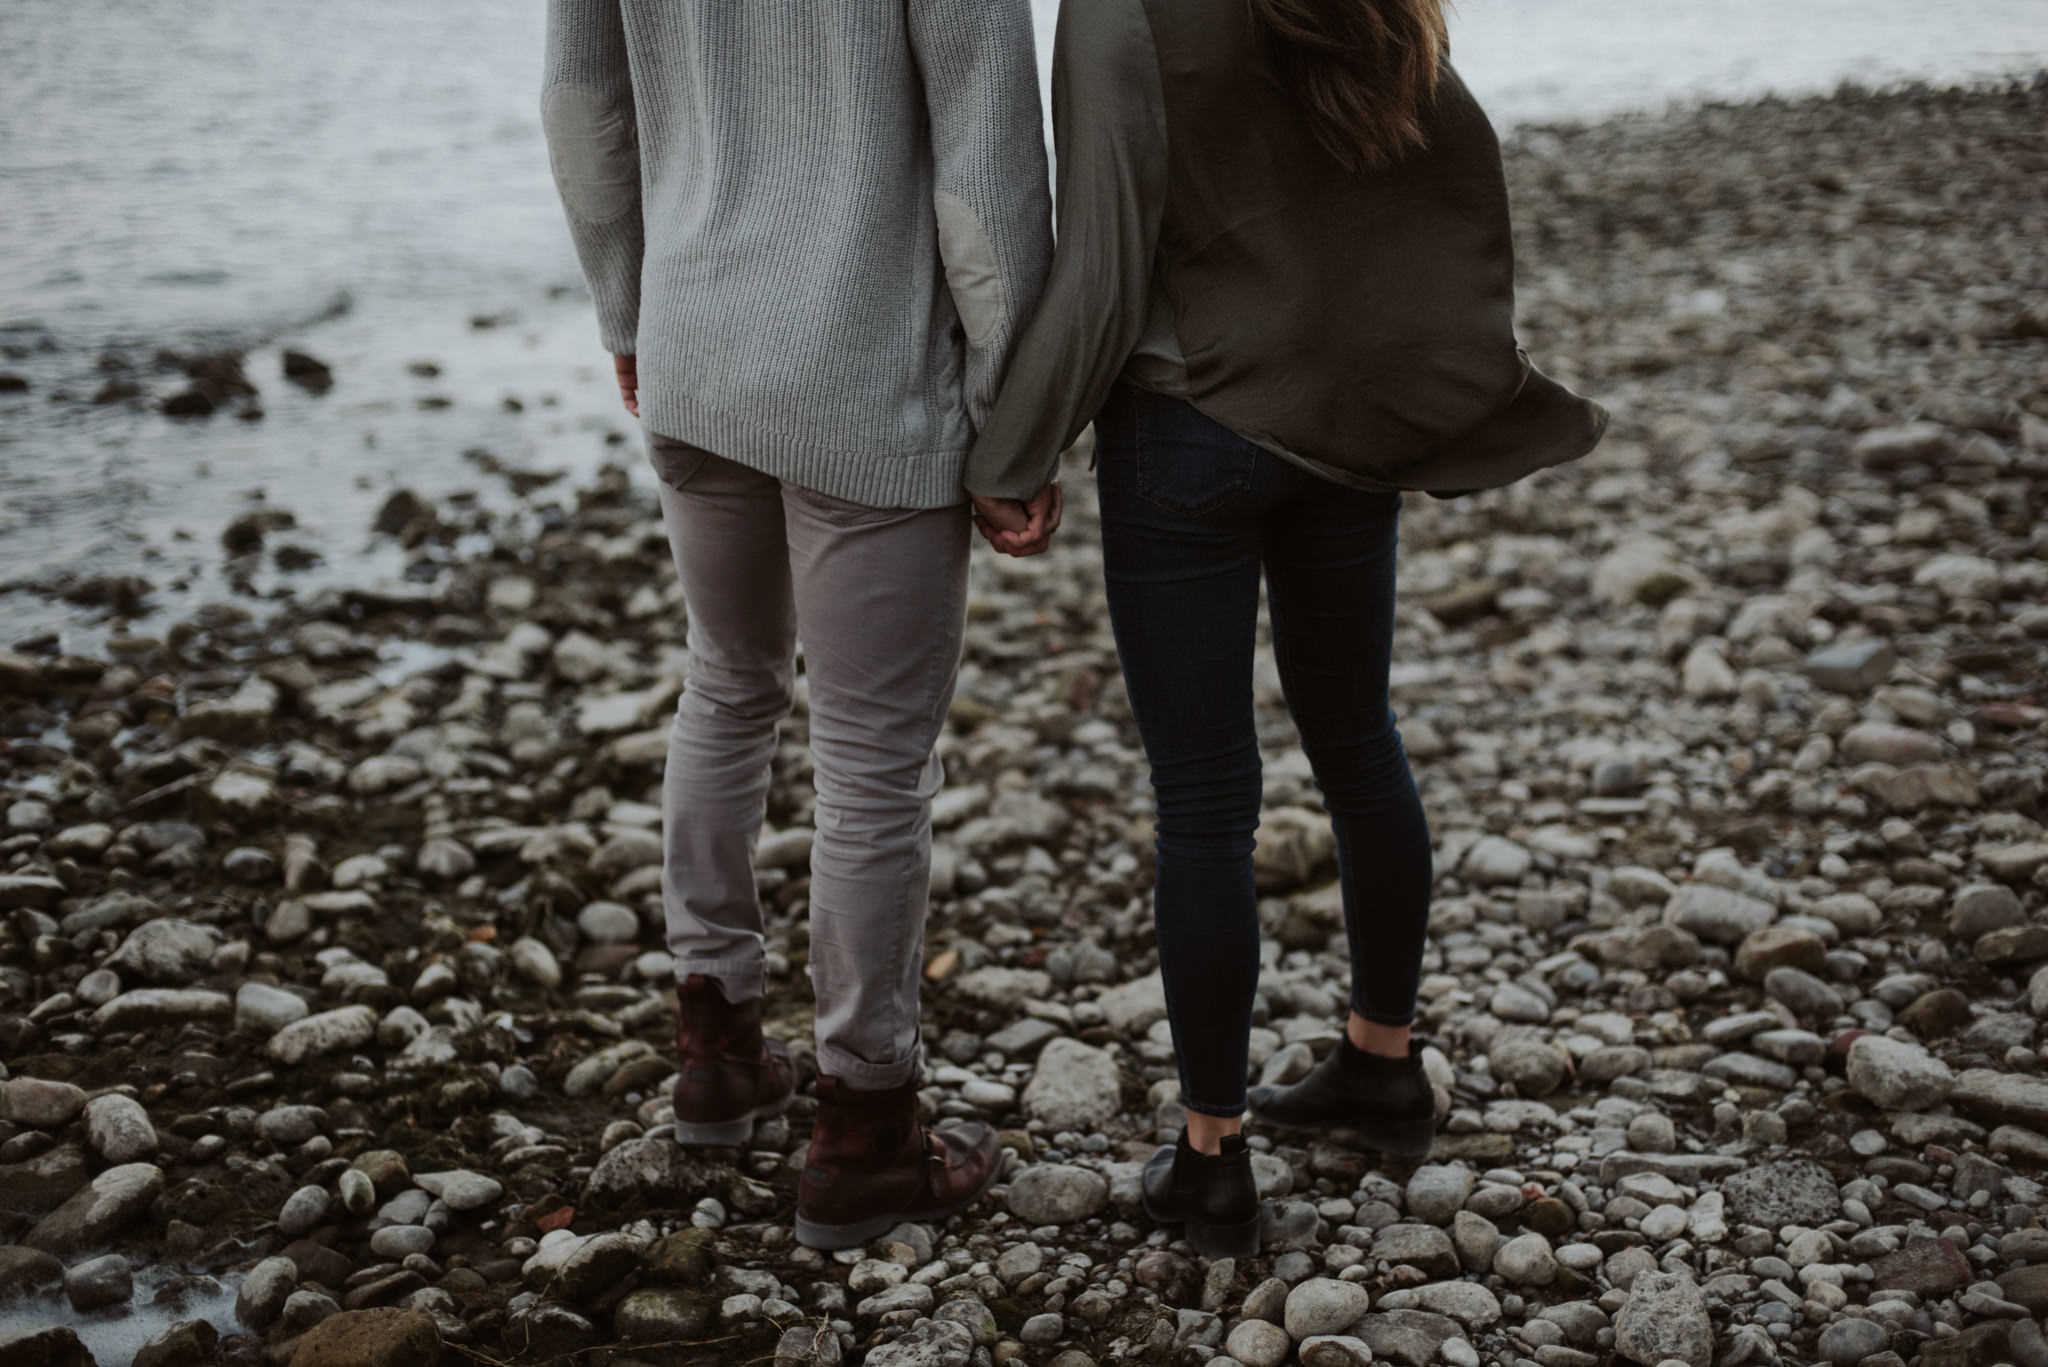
1283 292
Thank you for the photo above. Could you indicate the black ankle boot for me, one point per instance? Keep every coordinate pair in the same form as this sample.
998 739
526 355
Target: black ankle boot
1388 1101
1213 1195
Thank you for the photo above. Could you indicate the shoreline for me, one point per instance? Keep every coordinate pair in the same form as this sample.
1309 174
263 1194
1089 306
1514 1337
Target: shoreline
1734 746
136 376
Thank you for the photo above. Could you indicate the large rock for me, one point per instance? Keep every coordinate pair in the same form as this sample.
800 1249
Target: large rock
50 1345
642 1174
1536 1066
266 1010
1847 1342
119 1130
1984 907
166 952
1777 947
1436 1191
1057 1194
1257 1343
108 1205
39 1185
99 1282
1074 1087
1793 1191
1665 1319
665 1314
29 890
1913 443
460 1188
149 1007
1980 1345
2004 1096
1929 1268
1526 1260
1852 667
40 1104
1134 1007
327 1032
1002 988
1960 576
1495 861
1335 1350
1897 1076
1642 569
261 1297
188 1343
1324 1305
1412 1338
597 1265
1884 743
1717 914
371 1338
1471 1304
2027 1286
928 1343
25 1271
1423 1247
2028 1344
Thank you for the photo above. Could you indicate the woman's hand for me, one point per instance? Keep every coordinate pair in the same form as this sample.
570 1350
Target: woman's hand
628 370
1016 528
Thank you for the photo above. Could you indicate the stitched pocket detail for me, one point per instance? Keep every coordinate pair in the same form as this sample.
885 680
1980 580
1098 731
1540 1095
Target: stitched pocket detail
1188 464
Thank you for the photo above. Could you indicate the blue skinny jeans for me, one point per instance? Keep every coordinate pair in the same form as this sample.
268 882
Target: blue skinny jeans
1192 514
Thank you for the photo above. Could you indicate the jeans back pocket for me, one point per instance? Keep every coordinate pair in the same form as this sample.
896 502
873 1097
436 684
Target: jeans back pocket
1188 463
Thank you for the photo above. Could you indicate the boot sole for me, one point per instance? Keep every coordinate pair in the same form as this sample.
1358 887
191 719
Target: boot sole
1412 1139
833 1238
1236 1240
727 1134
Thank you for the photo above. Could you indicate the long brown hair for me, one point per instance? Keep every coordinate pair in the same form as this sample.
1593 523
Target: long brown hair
1363 71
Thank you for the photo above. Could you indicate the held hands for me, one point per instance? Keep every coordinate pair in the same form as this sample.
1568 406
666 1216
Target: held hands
628 371
1016 528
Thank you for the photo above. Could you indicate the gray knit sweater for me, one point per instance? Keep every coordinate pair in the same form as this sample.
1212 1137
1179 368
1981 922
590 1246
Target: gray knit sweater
818 223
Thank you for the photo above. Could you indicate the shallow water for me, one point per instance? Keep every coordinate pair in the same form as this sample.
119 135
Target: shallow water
116 1336
361 180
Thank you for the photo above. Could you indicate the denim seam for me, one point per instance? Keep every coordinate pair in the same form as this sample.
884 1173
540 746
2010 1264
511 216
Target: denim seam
1200 1109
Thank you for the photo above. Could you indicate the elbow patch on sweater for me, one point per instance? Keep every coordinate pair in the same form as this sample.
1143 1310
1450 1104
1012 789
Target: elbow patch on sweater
592 149
972 273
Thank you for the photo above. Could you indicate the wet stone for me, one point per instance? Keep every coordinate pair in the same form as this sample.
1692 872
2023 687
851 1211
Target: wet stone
1056 1194
1665 1319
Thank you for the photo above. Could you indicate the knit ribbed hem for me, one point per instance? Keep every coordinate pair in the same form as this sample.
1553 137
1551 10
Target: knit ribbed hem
873 479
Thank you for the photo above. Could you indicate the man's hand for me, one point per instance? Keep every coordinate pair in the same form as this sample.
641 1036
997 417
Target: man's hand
628 370
1020 529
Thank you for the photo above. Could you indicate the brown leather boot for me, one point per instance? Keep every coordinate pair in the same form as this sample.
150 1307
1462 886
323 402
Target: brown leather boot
728 1075
873 1165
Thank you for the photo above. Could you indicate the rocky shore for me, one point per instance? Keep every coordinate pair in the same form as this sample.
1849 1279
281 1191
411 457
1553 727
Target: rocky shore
331 970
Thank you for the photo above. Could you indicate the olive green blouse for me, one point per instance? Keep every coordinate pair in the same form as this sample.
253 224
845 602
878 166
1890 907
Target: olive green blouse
1209 248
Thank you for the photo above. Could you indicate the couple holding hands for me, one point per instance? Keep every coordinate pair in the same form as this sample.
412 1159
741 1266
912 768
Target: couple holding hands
818 235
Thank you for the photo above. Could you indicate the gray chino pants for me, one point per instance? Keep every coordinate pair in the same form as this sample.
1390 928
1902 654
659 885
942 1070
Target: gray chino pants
878 596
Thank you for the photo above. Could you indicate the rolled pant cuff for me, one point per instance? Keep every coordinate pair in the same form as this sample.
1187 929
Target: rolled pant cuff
739 980
1204 1108
864 1076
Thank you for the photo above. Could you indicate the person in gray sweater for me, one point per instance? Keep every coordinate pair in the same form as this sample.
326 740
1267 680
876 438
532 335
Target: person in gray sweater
812 230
